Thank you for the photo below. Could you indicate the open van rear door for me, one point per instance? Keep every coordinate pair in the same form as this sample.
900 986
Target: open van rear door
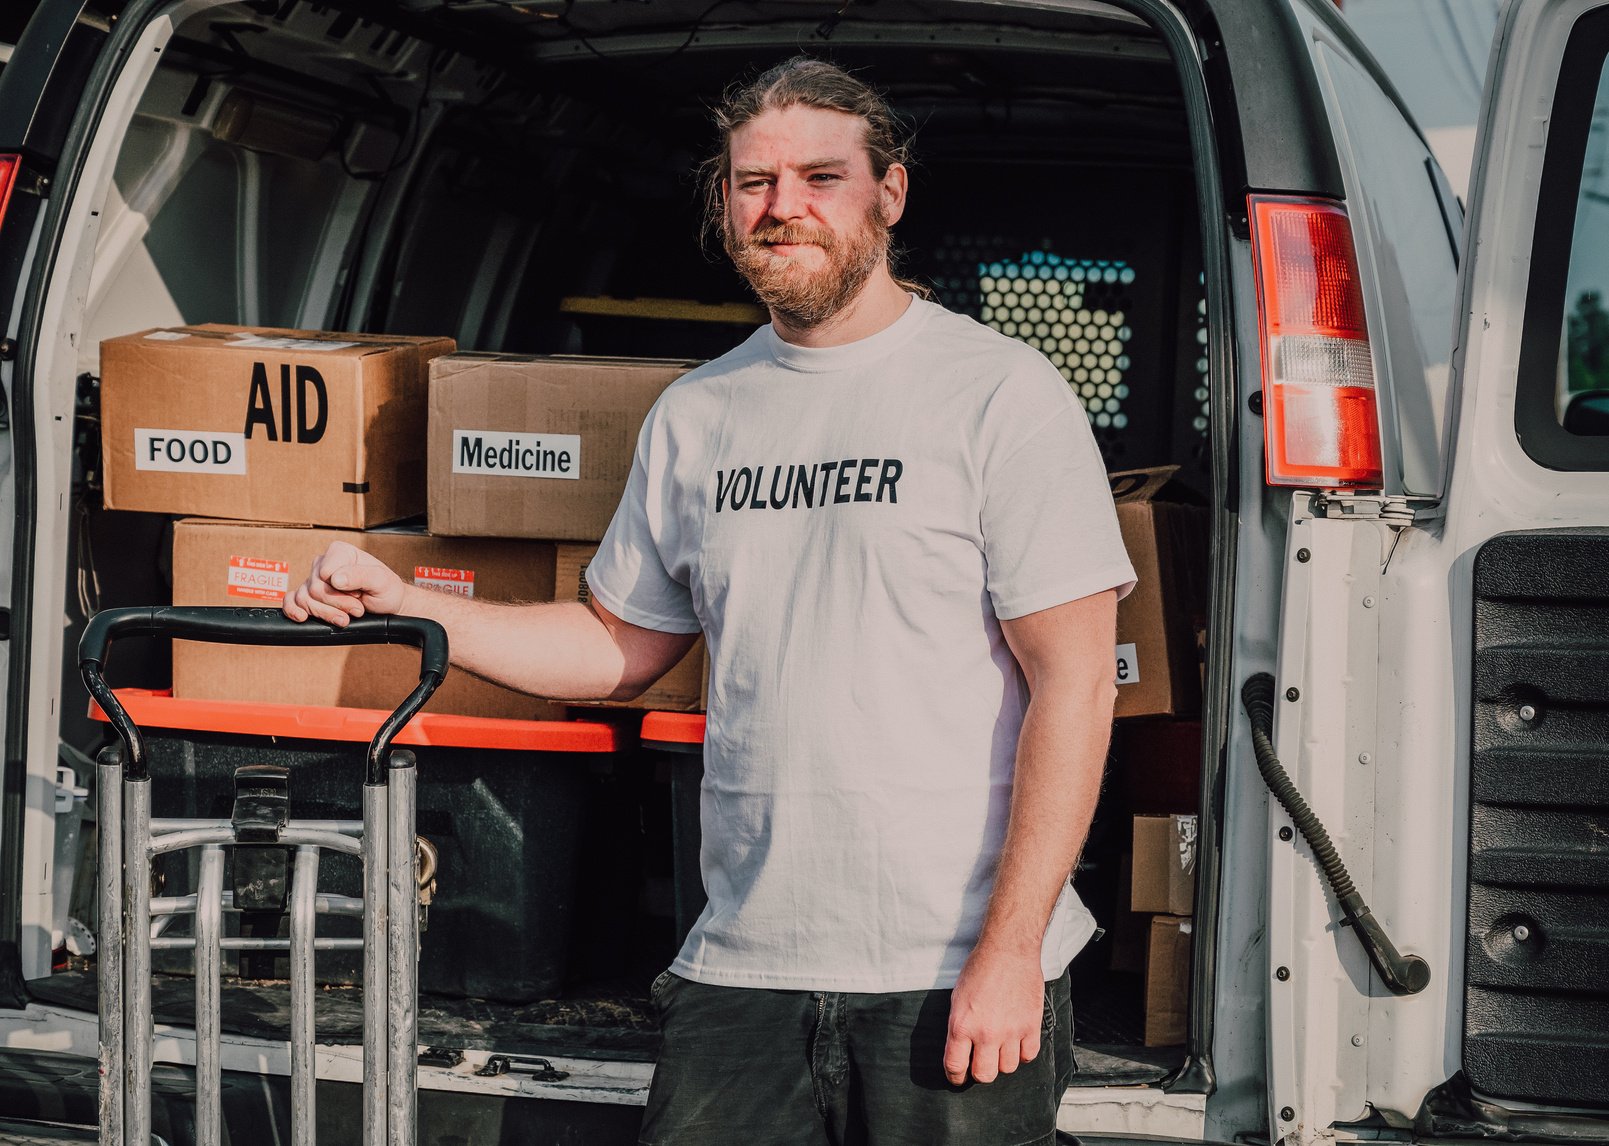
42 86
1442 696
1528 513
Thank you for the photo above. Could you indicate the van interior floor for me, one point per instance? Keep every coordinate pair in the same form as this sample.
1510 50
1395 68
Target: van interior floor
597 1021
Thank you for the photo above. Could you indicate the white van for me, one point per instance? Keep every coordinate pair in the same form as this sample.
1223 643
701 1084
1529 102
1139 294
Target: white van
1400 421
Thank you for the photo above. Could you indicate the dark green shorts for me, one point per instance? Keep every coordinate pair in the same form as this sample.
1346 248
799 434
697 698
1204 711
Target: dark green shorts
743 1066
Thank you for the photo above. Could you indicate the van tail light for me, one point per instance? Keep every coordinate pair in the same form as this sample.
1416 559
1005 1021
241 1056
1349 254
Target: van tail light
1319 417
9 165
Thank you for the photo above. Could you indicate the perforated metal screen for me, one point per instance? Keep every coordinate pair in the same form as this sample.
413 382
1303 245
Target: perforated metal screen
1080 312
1073 310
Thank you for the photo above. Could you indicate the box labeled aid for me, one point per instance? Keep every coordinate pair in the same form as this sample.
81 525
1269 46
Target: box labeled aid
257 424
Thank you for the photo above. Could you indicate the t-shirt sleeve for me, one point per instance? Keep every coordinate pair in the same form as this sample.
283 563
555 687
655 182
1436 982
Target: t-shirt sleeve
1049 527
628 575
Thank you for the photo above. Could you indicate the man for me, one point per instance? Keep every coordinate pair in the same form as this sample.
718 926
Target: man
894 530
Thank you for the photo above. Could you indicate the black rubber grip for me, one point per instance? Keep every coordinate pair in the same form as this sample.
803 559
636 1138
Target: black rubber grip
262 627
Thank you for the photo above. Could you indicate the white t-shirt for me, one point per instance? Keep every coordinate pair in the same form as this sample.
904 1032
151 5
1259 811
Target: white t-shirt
847 526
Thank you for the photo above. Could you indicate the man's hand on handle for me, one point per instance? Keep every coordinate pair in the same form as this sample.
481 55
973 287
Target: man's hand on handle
996 1013
345 583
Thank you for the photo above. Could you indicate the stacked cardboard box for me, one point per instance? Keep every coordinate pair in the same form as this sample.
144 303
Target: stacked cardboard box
253 564
1166 539
1163 885
292 426
292 439
540 447
1157 744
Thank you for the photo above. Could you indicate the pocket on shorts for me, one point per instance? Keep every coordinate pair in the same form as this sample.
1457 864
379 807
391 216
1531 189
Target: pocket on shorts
1047 1021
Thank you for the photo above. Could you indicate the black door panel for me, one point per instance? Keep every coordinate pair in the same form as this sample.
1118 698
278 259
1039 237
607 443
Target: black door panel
1536 1011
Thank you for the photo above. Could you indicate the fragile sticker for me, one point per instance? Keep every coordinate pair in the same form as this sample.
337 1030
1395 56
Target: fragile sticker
1128 665
259 579
457 581
524 455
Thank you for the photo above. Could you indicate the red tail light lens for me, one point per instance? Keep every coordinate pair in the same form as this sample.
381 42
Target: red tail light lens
1319 417
8 179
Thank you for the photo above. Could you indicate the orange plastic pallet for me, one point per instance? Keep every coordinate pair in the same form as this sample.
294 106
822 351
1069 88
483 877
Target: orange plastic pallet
673 728
160 709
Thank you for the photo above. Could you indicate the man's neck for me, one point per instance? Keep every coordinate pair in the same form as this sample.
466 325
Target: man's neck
878 306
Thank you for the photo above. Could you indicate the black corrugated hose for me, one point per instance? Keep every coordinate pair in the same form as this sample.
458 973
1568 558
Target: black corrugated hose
1403 974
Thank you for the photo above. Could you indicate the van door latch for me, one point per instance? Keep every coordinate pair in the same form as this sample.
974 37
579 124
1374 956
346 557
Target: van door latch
540 1069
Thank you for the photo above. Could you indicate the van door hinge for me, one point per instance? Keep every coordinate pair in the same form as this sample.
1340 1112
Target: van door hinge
1391 509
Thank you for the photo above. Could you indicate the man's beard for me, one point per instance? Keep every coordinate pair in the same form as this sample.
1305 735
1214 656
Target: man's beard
805 299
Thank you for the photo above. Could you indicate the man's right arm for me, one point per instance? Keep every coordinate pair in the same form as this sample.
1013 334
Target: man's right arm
564 650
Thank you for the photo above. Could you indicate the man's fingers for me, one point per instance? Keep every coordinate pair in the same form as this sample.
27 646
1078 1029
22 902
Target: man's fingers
339 586
1030 1047
957 1054
348 603
324 612
1009 1059
986 1061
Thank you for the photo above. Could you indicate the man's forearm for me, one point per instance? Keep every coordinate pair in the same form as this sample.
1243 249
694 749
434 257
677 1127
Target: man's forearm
1061 754
560 649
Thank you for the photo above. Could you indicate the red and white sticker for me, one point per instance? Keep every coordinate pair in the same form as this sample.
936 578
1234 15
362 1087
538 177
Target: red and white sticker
459 581
259 579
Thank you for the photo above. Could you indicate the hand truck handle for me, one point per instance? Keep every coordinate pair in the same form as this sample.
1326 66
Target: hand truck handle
258 627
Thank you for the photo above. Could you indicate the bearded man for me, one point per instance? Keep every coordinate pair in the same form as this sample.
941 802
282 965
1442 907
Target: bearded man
911 675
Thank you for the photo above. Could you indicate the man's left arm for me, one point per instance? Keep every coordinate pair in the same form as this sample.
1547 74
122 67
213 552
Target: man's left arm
1066 656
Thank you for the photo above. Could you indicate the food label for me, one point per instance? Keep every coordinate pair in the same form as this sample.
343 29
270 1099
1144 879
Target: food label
190 451
259 579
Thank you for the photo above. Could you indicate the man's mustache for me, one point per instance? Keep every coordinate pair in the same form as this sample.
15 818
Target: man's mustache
789 233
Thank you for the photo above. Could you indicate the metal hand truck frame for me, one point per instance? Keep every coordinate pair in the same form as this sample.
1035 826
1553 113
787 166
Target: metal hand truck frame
130 840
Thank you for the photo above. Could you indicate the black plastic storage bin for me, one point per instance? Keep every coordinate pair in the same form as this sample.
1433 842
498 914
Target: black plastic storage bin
501 800
677 738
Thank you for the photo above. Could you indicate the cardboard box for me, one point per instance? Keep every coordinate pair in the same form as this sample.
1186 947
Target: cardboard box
522 446
684 688
239 563
1158 764
1157 666
258 424
1164 864
1167 981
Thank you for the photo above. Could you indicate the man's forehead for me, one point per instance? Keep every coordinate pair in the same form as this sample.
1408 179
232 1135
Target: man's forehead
797 136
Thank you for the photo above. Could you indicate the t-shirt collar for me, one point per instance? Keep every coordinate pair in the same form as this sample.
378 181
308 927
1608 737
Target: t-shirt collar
819 359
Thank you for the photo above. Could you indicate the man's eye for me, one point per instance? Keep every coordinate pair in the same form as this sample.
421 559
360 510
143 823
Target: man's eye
825 177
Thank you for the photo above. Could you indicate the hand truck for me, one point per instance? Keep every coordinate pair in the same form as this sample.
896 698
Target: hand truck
263 839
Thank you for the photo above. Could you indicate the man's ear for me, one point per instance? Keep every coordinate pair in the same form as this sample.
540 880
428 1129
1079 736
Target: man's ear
726 189
896 181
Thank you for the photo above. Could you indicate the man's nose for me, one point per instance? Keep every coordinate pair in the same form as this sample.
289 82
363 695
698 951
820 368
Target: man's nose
787 199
